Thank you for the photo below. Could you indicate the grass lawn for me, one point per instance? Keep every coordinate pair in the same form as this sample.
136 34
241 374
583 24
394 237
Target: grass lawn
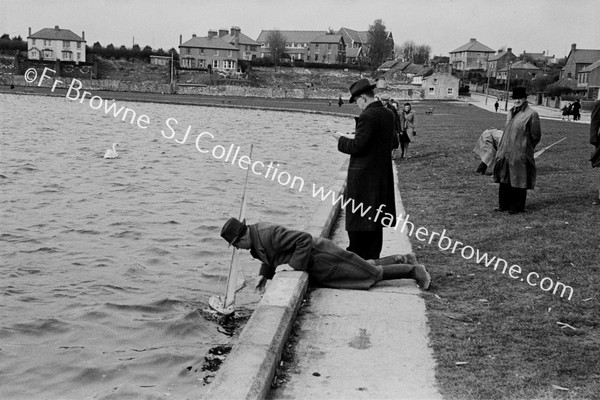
503 333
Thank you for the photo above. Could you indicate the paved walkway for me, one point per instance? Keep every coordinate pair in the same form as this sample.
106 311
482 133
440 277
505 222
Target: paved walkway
355 344
544 112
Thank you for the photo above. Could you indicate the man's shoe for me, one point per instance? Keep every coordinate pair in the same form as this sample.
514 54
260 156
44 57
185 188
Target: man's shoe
422 277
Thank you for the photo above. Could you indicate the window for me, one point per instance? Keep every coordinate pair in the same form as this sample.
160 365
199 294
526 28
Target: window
215 63
33 42
66 44
78 56
78 45
34 54
217 52
230 53
435 81
316 57
450 90
431 90
47 42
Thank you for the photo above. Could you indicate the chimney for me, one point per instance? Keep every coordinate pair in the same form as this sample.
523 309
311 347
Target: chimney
180 39
235 31
223 32
193 35
56 27
83 35
573 46
500 51
212 33
509 50
29 31
473 39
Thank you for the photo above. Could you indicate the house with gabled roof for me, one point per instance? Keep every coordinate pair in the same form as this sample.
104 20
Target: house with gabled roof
519 70
499 61
328 48
51 44
248 47
539 59
589 78
356 45
577 60
440 85
296 43
470 56
210 52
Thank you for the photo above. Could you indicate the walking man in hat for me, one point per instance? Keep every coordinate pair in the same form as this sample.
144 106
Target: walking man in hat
327 264
514 168
370 182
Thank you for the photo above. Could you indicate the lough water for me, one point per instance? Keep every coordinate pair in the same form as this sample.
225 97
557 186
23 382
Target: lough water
106 266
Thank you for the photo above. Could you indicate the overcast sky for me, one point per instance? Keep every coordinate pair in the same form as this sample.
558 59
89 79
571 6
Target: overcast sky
523 25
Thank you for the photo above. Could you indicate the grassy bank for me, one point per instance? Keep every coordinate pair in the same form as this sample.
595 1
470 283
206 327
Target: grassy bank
495 337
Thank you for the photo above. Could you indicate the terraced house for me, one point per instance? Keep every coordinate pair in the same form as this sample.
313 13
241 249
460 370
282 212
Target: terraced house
56 44
211 52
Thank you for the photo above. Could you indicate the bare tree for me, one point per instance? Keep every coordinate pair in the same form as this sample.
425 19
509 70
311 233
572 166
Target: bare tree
380 43
276 42
418 54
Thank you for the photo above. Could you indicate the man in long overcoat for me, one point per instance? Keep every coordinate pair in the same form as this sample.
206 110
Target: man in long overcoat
370 182
595 141
327 264
515 168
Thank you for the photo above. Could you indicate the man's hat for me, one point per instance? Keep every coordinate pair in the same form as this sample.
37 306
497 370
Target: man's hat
359 87
519 92
233 230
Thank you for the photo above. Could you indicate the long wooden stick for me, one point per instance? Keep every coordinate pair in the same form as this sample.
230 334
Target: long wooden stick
539 152
226 304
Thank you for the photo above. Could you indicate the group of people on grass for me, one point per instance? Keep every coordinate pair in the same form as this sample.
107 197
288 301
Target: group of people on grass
379 129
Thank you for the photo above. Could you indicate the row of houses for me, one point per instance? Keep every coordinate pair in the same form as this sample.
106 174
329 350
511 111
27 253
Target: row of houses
221 49
581 72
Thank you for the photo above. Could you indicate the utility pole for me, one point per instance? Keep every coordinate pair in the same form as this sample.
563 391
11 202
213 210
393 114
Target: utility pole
507 86
487 86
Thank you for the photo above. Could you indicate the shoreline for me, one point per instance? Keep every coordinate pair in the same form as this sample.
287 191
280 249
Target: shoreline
317 106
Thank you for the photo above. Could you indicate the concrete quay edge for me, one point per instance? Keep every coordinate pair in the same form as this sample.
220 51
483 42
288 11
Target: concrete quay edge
248 370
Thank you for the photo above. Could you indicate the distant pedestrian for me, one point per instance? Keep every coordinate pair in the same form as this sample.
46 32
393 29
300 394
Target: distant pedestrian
496 105
514 168
569 111
407 128
576 108
595 141
340 101
565 112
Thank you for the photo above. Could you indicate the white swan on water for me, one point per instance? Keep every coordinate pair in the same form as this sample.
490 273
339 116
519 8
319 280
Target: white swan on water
111 153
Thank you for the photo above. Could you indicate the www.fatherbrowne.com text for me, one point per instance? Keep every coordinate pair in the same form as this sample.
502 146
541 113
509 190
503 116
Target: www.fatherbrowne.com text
231 154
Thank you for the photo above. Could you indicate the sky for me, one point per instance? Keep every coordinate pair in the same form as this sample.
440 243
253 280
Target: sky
523 25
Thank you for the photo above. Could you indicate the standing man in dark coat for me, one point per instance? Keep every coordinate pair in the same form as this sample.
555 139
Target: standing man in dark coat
576 108
370 184
595 141
515 168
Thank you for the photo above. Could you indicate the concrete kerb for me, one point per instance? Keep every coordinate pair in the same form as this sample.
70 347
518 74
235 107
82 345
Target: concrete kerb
248 370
